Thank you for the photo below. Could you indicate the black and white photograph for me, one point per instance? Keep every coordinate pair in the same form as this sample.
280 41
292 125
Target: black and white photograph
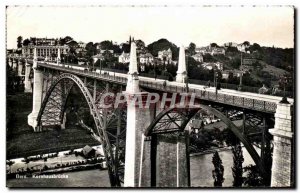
144 96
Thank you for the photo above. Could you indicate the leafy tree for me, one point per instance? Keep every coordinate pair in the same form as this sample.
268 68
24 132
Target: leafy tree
19 41
255 47
106 45
246 43
214 45
63 41
208 58
238 158
140 44
218 172
232 50
253 177
10 163
26 42
237 169
192 48
163 44
125 48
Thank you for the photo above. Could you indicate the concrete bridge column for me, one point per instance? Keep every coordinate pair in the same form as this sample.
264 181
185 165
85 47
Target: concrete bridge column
137 121
181 72
171 160
27 81
282 170
37 95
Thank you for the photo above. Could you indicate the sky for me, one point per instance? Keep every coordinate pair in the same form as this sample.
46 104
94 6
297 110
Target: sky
268 26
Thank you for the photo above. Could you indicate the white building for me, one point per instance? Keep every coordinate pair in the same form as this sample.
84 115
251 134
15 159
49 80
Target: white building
124 58
165 55
242 47
44 51
218 51
146 58
210 50
212 65
81 44
98 57
198 57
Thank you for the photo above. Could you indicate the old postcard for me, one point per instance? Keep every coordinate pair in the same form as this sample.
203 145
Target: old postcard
150 96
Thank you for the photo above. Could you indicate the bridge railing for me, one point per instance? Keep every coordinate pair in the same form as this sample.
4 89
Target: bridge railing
243 102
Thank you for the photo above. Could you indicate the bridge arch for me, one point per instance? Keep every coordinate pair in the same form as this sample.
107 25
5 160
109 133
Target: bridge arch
182 118
98 119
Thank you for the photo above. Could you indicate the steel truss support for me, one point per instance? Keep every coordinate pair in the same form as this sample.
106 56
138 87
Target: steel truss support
172 120
110 124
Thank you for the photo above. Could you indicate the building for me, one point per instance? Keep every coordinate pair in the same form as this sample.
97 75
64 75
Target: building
44 51
211 65
165 55
230 44
198 57
124 58
218 51
210 50
81 44
43 41
146 58
226 73
88 152
202 50
98 57
242 47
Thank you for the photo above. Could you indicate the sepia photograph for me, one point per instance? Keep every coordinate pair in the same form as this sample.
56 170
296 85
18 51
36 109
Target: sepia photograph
143 96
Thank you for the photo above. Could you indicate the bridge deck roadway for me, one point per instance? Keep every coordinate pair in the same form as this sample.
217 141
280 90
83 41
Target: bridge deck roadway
254 101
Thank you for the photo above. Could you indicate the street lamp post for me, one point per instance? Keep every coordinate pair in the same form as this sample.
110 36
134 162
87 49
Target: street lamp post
284 100
216 79
241 73
187 78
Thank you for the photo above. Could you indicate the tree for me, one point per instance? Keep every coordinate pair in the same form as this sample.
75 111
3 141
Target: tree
19 41
10 163
238 158
246 43
253 177
106 45
214 45
192 48
237 169
26 42
163 44
218 172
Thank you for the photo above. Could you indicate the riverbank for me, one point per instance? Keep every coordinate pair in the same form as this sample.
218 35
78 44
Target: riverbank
21 141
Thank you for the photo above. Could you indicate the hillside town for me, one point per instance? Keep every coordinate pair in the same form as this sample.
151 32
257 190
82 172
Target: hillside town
259 69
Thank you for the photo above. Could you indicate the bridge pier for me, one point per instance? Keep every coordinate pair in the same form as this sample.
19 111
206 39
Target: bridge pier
137 121
171 160
181 72
27 82
282 170
37 95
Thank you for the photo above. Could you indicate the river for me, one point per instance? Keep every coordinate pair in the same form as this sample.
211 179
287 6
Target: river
201 174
